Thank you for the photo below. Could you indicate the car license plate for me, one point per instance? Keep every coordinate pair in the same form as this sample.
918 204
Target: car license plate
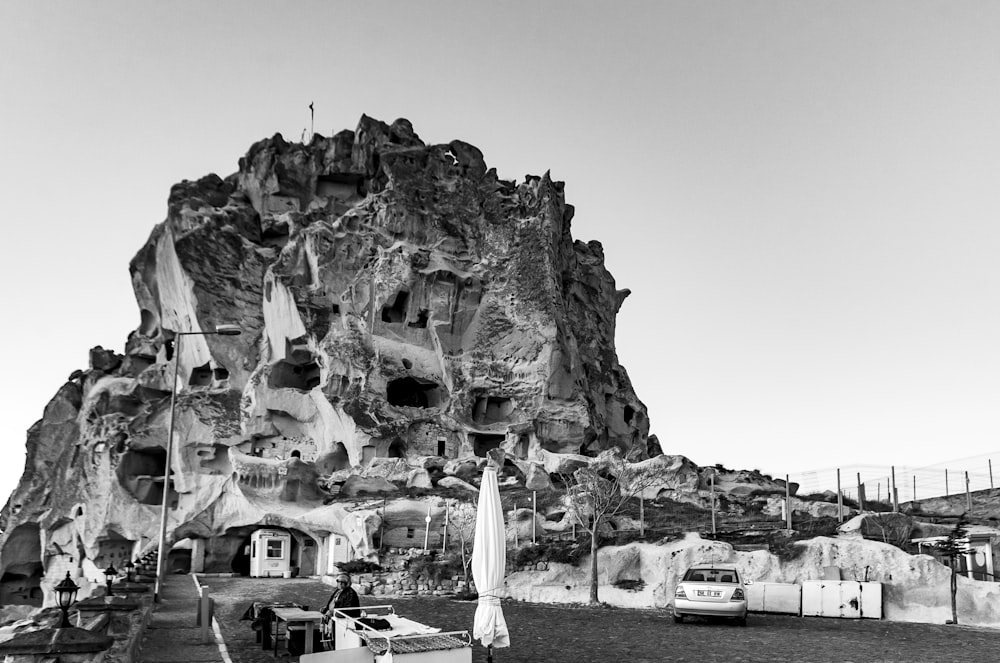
709 593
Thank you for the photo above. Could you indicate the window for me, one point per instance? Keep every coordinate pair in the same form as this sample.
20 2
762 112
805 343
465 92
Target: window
275 549
409 532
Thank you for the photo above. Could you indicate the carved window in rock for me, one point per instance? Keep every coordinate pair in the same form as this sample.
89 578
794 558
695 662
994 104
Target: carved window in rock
491 409
367 453
627 414
396 312
521 448
413 392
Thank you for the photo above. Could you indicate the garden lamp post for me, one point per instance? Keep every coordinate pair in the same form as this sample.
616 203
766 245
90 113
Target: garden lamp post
109 576
220 330
129 570
65 596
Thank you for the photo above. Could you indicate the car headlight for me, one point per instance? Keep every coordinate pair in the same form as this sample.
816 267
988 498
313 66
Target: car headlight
679 593
738 595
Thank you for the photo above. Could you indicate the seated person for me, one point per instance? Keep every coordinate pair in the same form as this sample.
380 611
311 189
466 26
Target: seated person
344 598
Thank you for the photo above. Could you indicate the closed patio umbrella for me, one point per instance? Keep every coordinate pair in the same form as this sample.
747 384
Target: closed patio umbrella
489 558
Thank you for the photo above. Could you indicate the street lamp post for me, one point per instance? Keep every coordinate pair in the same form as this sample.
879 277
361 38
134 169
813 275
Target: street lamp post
220 330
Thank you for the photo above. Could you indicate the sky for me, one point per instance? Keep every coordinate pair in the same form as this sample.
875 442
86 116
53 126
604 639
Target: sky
801 196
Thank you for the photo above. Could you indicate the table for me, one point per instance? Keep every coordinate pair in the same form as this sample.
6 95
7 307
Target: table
296 616
261 618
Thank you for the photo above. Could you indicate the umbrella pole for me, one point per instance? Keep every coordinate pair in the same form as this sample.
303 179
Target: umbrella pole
489 653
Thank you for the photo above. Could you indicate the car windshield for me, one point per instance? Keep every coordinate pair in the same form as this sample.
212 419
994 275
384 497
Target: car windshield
711 575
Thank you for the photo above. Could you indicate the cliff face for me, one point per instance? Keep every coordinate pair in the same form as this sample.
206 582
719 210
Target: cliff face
396 300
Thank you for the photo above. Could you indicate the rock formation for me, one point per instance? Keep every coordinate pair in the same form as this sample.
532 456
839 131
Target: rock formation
397 300
915 587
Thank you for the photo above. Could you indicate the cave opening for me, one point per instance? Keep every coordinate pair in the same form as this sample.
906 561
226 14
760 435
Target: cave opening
288 375
413 392
23 570
397 449
140 472
628 413
221 373
421 321
201 376
275 234
482 443
397 311
491 409
148 325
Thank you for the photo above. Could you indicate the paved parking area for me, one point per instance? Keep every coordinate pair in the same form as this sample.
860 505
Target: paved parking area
557 634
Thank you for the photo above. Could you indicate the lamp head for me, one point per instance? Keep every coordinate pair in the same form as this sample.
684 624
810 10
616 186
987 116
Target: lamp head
228 330
109 575
66 592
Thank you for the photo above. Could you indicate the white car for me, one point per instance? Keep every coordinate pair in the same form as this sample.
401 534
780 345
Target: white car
711 590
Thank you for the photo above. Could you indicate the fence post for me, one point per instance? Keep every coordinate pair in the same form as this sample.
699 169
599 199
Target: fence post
840 500
444 535
427 527
947 493
895 495
861 494
205 614
788 504
534 514
968 495
989 461
914 489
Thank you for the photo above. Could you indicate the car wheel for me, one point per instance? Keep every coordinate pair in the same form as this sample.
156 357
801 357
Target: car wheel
678 619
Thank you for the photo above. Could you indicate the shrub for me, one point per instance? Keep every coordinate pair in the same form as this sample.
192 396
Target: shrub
434 567
562 552
786 549
630 585
359 566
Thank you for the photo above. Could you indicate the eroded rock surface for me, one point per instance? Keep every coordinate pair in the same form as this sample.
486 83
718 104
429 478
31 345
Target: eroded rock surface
398 300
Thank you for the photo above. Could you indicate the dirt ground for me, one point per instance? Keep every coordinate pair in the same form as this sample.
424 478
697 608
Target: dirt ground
581 634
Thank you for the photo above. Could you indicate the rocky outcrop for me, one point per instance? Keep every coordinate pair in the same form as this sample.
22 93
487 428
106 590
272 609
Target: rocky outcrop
398 300
915 587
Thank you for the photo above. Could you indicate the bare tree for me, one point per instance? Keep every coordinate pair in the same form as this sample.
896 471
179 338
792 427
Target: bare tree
894 528
599 492
953 548
462 525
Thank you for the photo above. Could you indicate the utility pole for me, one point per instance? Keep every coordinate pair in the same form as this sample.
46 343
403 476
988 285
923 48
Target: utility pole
711 479
642 517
